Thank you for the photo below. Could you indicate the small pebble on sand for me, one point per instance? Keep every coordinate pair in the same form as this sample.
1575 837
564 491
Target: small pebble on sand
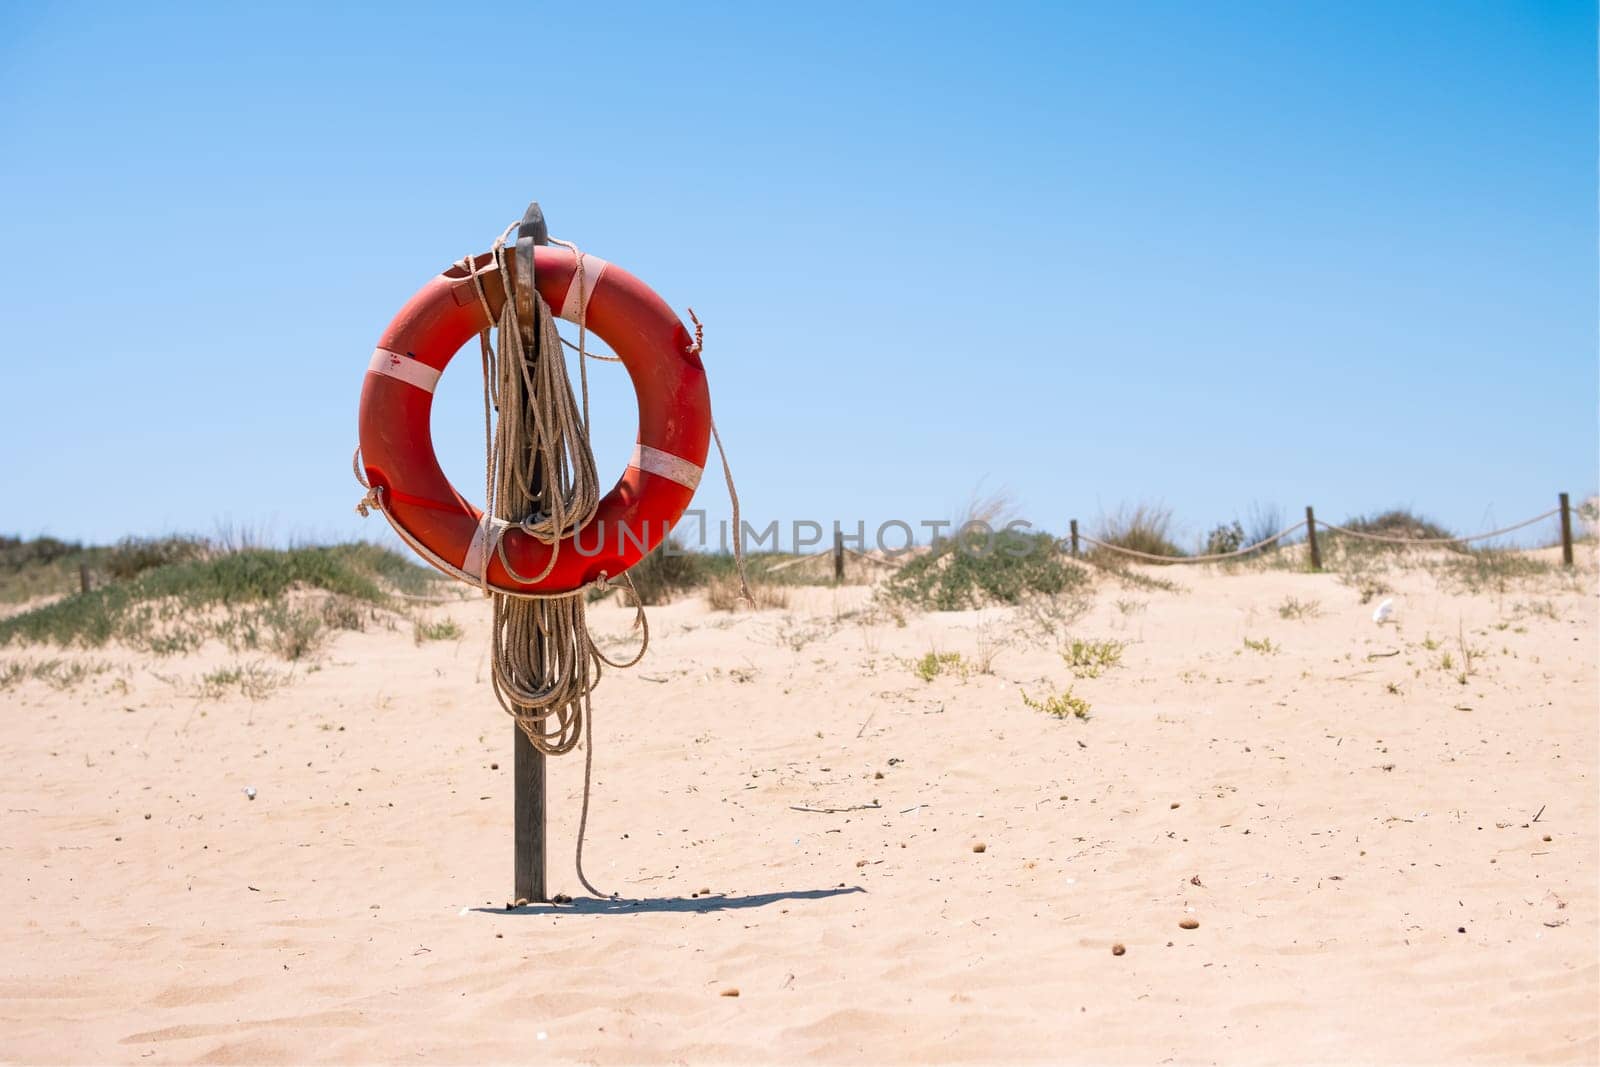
1175 804
494 766
731 991
977 846
1189 924
1547 837
1119 949
861 863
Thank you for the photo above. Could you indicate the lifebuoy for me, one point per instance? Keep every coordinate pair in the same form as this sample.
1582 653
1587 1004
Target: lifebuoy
674 424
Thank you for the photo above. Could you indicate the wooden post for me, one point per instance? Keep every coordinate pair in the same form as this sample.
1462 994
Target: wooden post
838 555
528 825
83 568
1566 530
1311 539
528 818
1074 537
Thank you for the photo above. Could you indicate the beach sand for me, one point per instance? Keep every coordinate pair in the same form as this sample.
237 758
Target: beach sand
1385 864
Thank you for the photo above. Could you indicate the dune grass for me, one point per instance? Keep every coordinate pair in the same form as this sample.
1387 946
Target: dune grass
240 597
956 573
1143 528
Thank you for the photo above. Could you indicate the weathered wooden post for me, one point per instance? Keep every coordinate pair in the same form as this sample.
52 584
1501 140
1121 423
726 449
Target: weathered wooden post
838 555
527 764
528 818
1566 530
83 568
1311 539
1074 537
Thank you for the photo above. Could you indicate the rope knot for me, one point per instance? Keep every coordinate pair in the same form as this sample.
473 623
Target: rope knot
373 499
699 334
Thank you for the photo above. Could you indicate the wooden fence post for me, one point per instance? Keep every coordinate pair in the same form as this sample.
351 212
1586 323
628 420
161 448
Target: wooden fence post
838 555
1566 529
83 568
1311 539
1074 537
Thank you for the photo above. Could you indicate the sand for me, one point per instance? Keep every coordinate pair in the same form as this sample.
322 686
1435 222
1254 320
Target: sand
1385 864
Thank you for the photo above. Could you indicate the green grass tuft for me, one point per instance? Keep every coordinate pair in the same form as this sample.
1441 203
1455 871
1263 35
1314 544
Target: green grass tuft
1088 659
1144 528
1062 705
933 664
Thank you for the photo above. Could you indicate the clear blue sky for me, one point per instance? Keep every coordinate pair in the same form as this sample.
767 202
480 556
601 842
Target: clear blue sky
1203 254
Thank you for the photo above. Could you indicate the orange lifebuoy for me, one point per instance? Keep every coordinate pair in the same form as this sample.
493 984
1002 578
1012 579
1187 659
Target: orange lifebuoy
674 424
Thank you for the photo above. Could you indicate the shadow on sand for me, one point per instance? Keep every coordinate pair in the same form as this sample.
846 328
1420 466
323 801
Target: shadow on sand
637 905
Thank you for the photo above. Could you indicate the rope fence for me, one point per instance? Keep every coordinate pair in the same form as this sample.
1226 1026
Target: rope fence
1211 558
1310 523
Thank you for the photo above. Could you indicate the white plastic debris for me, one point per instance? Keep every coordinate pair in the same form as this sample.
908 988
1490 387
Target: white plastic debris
1381 614
250 792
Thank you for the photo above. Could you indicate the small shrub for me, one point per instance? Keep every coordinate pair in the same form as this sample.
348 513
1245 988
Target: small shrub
1062 705
296 634
435 630
1089 658
254 680
1223 539
1294 608
1263 646
933 664
339 613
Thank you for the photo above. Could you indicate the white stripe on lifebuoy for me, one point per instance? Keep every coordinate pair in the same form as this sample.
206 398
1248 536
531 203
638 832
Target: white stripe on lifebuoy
576 304
408 370
666 465
476 562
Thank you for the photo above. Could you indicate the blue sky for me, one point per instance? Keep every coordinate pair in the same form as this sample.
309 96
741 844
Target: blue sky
1209 255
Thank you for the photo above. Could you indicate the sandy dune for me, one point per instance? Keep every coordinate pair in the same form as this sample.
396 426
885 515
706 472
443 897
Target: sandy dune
1365 866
